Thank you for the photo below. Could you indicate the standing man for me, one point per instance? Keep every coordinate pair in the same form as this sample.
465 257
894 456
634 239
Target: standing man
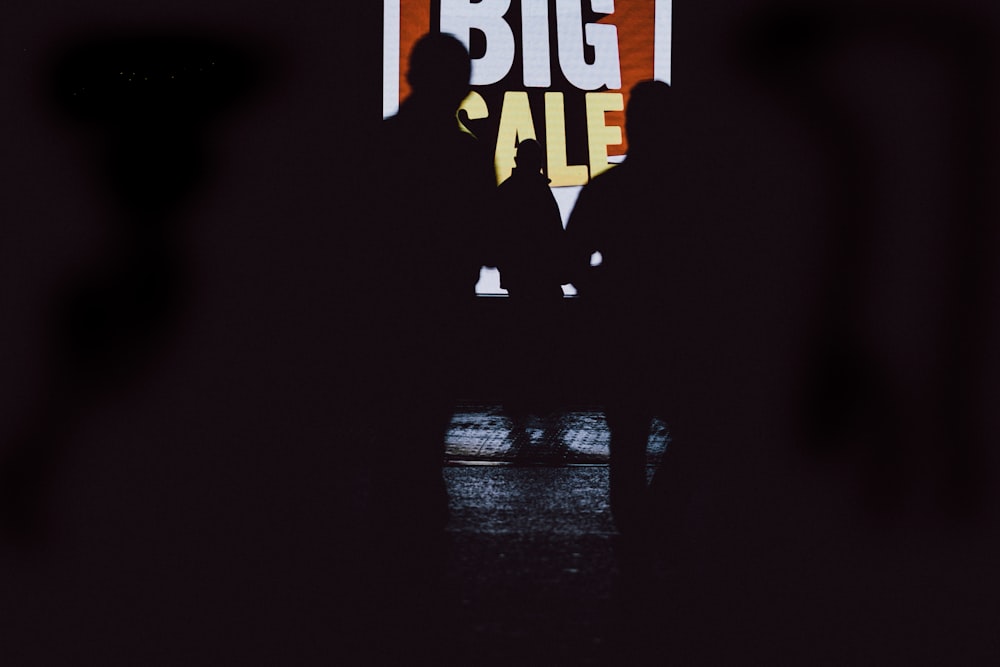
416 258
531 257
530 232
640 299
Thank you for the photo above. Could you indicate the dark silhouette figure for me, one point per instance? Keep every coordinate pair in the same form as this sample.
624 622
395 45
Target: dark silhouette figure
530 253
638 295
416 260
150 99
531 256
413 259
883 381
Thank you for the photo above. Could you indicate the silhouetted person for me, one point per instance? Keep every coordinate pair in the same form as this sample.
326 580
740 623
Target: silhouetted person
417 259
530 253
637 295
530 232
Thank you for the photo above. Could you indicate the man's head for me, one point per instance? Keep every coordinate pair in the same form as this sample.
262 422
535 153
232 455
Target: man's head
440 70
529 156
646 118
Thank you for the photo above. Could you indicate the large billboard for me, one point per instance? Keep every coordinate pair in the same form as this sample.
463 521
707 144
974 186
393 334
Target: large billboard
558 71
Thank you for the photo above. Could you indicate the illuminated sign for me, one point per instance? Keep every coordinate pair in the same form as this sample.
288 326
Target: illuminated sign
554 70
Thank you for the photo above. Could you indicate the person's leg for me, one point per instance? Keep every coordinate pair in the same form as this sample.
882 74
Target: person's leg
629 427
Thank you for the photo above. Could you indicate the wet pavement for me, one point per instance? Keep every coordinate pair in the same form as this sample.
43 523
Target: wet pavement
532 563
487 433
533 570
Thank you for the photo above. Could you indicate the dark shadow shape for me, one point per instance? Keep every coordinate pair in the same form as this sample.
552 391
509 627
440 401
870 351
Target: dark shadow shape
529 246
414 251
151 99
622 215
849 403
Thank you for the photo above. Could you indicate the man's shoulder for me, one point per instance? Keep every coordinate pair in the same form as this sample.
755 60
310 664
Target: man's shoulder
470 144
389 134
507 186
526 186
599 188
610 178
391 123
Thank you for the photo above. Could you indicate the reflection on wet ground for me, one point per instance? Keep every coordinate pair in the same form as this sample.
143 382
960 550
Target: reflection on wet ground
539 500
533 568
486 433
